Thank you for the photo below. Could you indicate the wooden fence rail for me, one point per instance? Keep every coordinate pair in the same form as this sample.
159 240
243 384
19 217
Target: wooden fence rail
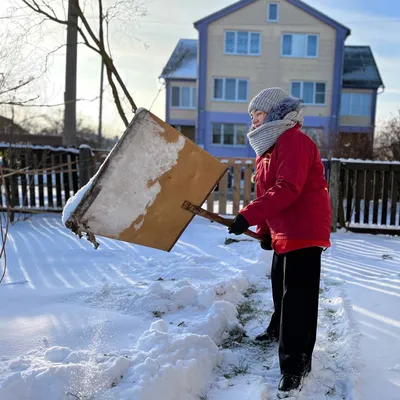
365 195
370 195
37 178
235 190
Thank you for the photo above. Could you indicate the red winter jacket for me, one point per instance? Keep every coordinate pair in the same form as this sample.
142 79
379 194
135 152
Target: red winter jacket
292 201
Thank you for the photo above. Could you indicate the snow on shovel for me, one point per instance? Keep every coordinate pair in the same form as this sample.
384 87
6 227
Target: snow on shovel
142 191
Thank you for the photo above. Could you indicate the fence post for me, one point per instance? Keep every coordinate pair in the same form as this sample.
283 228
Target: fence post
85 165
334 184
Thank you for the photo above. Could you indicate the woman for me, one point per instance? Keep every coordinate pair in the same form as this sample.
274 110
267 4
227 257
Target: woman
292 210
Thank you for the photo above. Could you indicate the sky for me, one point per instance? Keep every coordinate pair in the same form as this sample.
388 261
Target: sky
141 50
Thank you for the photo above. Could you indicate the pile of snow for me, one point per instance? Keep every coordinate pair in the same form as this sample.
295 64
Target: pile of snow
167 366
218 323
167 297
61 373
162 365
214 308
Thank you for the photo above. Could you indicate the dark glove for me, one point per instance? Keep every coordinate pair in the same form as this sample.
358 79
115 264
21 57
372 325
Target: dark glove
266 243
239 225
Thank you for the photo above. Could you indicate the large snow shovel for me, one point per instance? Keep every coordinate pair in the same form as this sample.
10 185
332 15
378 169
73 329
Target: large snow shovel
142 190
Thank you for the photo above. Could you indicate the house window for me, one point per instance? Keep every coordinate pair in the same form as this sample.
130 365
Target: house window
299 45
183 97
273 12
313 93
357 104
229 134
230 89
242 43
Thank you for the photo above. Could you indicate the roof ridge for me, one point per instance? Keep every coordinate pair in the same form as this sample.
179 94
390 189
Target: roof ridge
356 45
238 5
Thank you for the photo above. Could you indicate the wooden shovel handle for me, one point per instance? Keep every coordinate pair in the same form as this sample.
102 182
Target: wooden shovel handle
187 205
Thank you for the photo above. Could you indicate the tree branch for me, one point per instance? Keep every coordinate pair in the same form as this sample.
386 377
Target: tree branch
42 12
116 97
23 103
19 86
93 42
108 61
86 41
108 37
18 103
59 21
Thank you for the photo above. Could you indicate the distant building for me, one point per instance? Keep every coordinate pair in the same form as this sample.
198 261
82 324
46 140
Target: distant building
11 132
9 127
254 44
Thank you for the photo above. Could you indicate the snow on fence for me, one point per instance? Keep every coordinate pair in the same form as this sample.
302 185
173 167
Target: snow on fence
365 194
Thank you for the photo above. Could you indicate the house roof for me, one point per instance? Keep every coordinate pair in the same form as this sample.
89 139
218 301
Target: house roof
360 69
300 4
8 126
183 62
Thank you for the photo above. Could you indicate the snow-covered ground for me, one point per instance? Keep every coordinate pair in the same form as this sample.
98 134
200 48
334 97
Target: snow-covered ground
127 322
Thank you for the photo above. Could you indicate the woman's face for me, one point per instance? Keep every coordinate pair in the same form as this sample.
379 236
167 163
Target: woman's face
258 117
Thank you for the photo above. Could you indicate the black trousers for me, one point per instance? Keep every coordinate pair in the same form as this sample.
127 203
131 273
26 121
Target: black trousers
295 289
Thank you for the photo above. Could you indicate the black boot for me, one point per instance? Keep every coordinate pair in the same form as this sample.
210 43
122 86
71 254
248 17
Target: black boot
289 383
267 336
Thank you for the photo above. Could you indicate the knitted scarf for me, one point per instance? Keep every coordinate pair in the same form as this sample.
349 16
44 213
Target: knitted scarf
285 116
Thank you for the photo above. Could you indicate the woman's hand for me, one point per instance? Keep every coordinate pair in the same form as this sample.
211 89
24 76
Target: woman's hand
239 225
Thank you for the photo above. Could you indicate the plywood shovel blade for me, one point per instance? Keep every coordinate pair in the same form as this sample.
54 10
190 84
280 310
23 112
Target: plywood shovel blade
138 192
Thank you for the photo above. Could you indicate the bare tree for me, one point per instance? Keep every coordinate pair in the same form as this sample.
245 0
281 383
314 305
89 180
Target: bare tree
97 19
19 68
387 141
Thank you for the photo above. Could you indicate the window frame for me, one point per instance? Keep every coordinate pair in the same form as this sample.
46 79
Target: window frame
248 54
269 12
180 107
221 144
307 35
315 83
236 90
353 94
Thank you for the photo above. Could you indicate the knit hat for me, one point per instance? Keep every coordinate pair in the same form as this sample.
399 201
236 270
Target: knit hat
283 113
268 99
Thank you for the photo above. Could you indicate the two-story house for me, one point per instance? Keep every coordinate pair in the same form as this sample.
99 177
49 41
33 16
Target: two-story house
254 44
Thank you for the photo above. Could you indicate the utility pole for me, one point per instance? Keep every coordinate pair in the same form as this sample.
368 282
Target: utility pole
99 132
69 137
